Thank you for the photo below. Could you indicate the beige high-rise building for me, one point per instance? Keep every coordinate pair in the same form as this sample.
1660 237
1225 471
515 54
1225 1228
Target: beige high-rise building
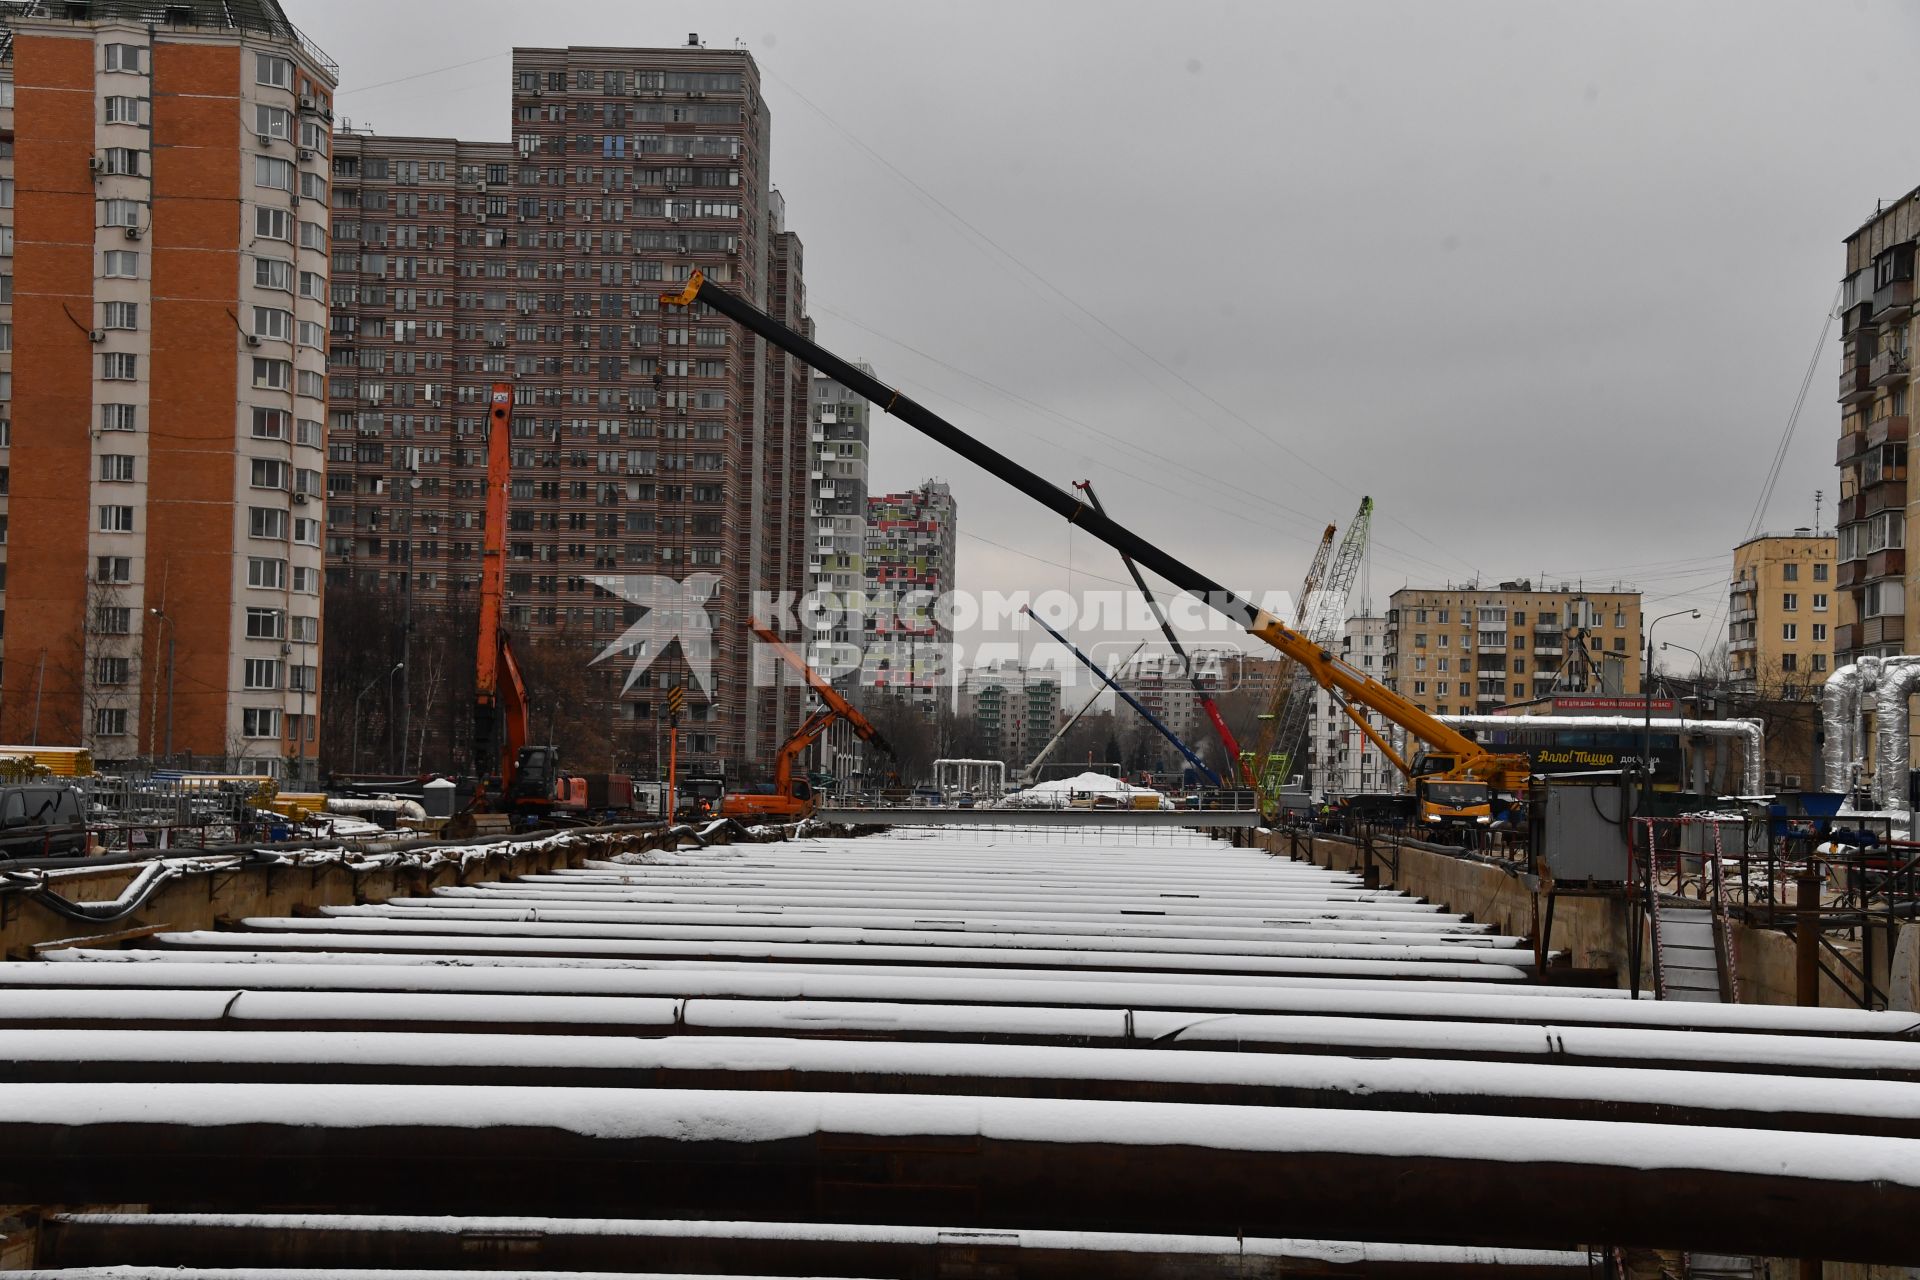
1783 613
1473 650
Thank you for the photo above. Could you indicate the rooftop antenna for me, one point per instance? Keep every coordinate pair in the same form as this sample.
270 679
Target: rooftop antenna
1817 497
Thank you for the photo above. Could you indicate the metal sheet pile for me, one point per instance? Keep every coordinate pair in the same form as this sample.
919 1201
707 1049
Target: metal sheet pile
944 1053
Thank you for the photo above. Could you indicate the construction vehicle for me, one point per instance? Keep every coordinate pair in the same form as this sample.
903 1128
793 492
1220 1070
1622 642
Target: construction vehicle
1200 690
792 796
512 776
1259 766
1283 731
1200 768
1451 756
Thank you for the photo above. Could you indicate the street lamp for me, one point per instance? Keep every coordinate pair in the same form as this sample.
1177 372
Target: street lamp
371 685
167 623
1646 692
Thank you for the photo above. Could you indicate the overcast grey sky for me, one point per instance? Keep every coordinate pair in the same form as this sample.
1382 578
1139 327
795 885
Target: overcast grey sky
1544 279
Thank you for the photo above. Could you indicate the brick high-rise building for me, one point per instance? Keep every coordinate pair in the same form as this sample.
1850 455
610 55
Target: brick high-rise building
648 440
164 246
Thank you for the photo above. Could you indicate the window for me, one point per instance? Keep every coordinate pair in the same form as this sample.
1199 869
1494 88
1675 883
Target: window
271 273
1789 631
269 473
265 624
271 322
120 264
124 57
125 110
272 122
306 581
269 70
272 224
118 366
266 573
120 315
274 375
121 160
259 722
1789 602
1819 662
1789 662
1819 602
261 673
1790 573
271 171
312 285
1820 572
266 522
111 671
1819 632
113 569
120 213
116 466
313 383
110 722
270 424
313 236
306 630
116 519
113 620
116 417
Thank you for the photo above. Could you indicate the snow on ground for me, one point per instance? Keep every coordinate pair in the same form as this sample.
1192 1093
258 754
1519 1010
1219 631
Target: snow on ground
1081 791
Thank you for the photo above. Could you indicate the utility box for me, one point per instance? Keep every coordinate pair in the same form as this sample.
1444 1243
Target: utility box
437 798
1581 828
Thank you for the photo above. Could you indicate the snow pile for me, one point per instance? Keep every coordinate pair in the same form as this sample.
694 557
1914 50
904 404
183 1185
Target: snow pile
1084 791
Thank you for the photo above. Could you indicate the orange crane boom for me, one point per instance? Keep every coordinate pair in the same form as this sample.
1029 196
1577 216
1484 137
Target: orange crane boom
500 695
791 797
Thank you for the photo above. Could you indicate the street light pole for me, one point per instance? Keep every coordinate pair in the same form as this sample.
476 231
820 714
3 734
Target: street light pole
1646 692
371 685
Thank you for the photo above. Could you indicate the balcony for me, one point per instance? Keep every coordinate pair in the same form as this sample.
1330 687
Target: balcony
1889 563
1889 430
1888 367
1852 445
1888 495
1846 637
1741 646
1854 383
1849 510
1893 300
1888 629
1741 615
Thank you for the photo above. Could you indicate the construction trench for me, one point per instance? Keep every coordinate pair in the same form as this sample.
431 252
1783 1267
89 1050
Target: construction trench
1099 1050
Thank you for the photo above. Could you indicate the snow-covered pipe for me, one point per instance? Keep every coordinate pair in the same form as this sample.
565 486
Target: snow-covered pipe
399 806
1892 751
1750 732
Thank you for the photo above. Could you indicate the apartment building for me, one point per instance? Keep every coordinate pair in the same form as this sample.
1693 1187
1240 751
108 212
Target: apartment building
649 441
1163 686
1783 612
1473 650
837 453
163 348
1015 709
910 560
1876 371
1344 759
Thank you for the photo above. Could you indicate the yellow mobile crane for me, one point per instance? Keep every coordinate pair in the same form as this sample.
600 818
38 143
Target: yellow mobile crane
1451 756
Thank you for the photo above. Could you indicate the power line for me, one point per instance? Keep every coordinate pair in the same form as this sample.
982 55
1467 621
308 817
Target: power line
1028 273
421 75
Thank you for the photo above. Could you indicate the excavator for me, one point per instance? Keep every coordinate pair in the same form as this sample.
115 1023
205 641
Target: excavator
792 795
1450 756
512 777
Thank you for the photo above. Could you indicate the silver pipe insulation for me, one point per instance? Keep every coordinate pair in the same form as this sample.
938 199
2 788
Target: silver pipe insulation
1750 733
1892 747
